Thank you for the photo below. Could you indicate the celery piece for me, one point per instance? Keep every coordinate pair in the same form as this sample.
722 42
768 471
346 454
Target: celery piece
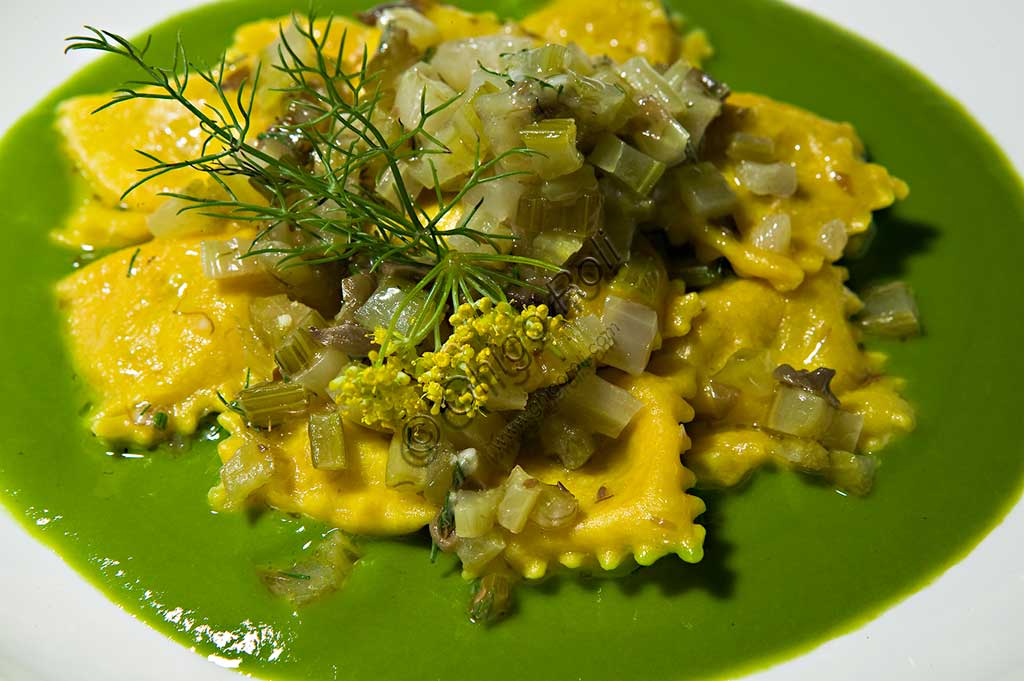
440 475
702 275
844 431
768 179
555 140
555 247
639 73
605 407
570 188
327 441
890 310
520 494
804 455
422 32
226 260
633 328
595 104
406 465
275 317
271 404
324 571
475 511
297 352
556 508
251 467
581 216
390 303
798 412
852 473
744 146
702 107
420 89
459 62
571 443
492 599
476 553
704 190
662 137
504 114
633 168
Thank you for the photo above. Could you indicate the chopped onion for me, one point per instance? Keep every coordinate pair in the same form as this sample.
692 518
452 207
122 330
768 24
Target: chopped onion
458 60
890 310
605 408
832 239
556 508
327 441
844 431
389 300
421 88
223 260
798 412
503 114
773 233
768 179
310 579
702 106
251 467
744 146
476 553
271 404
475 512
422 32
633 328
704 190
521 492
633 168
405 466
852 473
571 443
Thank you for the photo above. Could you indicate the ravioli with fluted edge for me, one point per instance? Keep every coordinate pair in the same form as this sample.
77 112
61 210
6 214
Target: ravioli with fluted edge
523 284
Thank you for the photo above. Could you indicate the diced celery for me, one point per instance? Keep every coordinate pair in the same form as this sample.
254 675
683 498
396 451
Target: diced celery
404 467
844 431
327 441
701 275
251 467
555 139
297 352
801 454
521 492
633 328
768 179
798 412
275 317
702 107
440 474
476 553
381 308
852 473
773 233
458 61
475 511
571 443
422 32
744 146
646 81
580 217
605 407
223 260
492 599
271 404
662 137
595 104
582 338
633 168
503 114
556 508
420 89
310 579
704 190
555 247
890 310
571 187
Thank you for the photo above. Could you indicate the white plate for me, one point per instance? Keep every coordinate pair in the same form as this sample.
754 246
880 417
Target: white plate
964 626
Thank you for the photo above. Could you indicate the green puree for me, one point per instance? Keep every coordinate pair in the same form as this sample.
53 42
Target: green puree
788 563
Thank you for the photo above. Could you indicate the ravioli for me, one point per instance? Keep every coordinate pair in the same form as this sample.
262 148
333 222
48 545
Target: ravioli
357 500
834 183
157 338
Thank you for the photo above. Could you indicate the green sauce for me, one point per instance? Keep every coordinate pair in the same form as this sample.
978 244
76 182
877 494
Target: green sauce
788 563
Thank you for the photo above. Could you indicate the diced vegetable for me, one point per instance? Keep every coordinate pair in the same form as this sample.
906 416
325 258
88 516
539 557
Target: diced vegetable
571 443
317 376
852 473
475 512
556 508
818 382
251 467
638 72
421 31
458 60
555 140
310 579
605 408
744 146
662 137
704 190
327 441
773 233
890 310
441 473
801 454
555 247
858 245
348 338
275 317
798 412
844 431
476 553
223 260
405 467
633 168
701 275
271 404
390 299
297 352
420 89
519 497
503 114
702 105
580 217
768 179
633 328
832 239
595 104
492 599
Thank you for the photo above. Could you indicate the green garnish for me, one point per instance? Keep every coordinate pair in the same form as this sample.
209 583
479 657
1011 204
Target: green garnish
339 114
160 420
131 263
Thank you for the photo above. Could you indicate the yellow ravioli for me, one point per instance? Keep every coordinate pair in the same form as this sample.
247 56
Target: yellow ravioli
356 499
163 340
645 511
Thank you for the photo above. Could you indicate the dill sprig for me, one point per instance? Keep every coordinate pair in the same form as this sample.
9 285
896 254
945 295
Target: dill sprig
337 118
